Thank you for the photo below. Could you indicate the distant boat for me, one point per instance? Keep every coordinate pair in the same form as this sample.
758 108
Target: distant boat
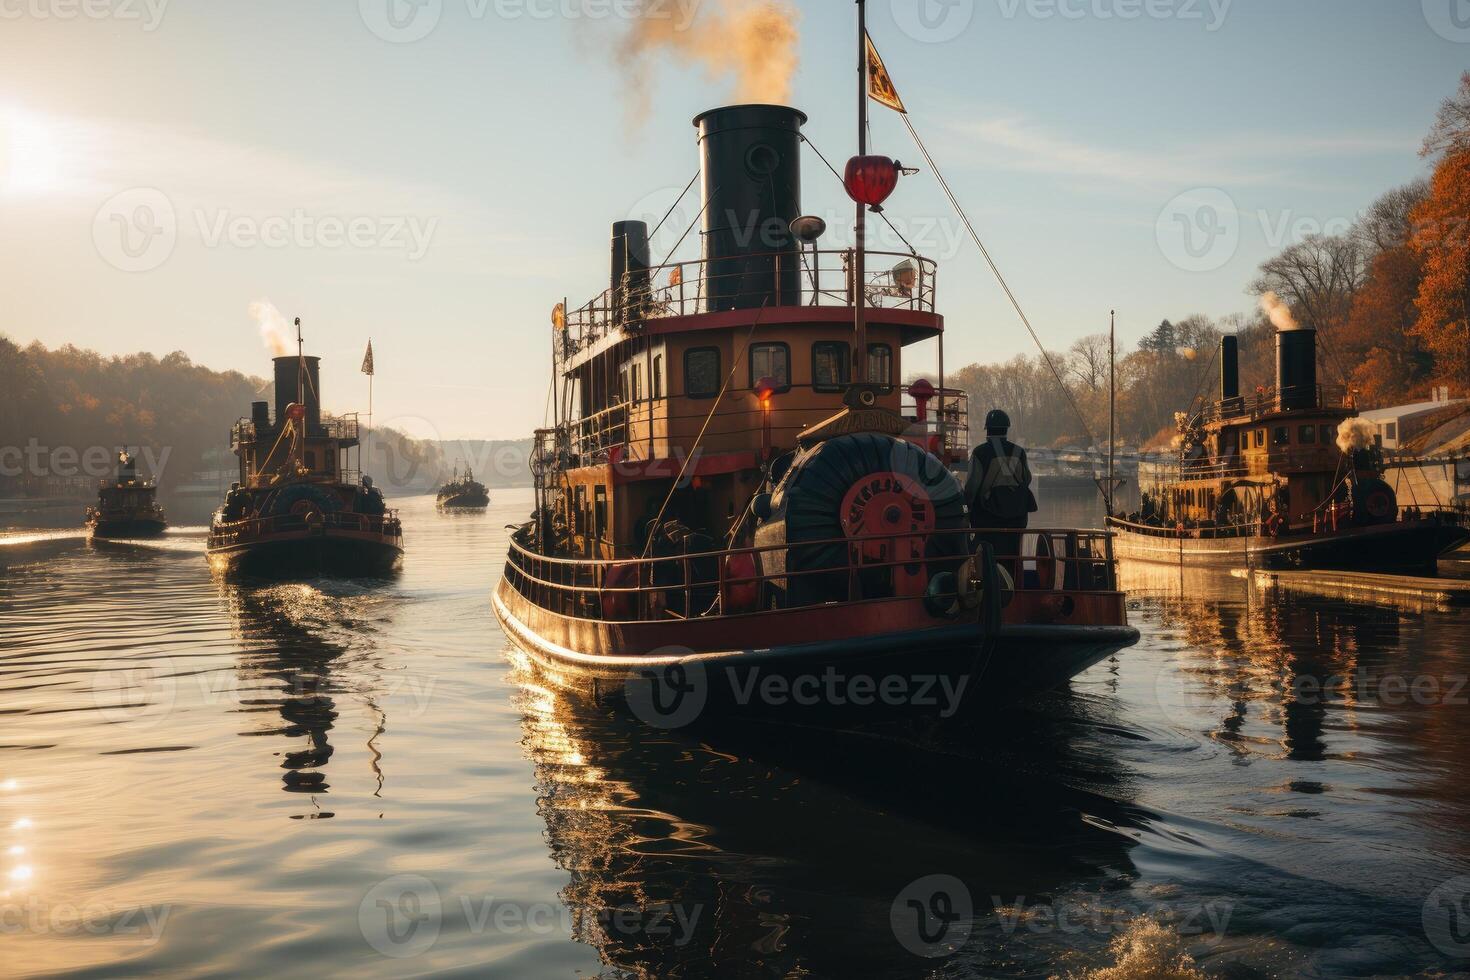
464 492
300 506
1285 479
127 507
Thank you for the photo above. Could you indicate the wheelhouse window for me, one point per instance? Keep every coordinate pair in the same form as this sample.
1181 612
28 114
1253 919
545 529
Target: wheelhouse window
1306 434
1260 438
658 376
1281 435
637 387
771 361
1328 435
702 372
599 511
829 365
880 365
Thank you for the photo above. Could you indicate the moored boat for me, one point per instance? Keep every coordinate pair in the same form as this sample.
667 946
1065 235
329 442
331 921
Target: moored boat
1286 478
127 507
302 504
463 492
740 491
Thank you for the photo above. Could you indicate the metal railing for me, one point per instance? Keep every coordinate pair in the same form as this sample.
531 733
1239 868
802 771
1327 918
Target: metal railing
340 427
953 406
1265 401
820 278
252 528
697 584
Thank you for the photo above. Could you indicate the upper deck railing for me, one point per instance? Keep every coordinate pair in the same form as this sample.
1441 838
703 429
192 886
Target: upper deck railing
892 281
1265 401
343 428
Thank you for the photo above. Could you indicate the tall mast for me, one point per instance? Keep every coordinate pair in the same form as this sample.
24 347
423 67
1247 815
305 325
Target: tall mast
859 272
1112 402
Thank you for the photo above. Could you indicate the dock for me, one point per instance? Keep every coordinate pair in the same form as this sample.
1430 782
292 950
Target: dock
1371 585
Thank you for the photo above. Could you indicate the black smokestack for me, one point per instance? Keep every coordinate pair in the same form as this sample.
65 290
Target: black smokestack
286 385
1296 367
629 265
260 415
750 169
1229 367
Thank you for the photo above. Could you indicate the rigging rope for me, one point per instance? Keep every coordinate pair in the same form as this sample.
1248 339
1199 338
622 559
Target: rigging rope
995 270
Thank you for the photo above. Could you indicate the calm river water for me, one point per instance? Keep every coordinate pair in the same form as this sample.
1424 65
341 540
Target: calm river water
363 779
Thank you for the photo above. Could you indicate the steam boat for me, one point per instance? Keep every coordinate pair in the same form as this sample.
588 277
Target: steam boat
302 505
738 481
1287 478
127 507
463 492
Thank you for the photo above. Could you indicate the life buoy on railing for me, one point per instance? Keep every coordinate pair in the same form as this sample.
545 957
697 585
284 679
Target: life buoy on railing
741 592
620 605
1274 524
1379 505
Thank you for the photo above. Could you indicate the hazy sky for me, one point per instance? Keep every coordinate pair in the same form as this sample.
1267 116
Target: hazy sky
436 174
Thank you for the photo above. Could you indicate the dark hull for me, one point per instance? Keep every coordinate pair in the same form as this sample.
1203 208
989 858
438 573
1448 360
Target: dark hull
130 527
465 501
289 556
1406 545
889 641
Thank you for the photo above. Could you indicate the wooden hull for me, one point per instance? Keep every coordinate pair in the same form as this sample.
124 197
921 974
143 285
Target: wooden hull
1402 545
740 660
127 527
346 554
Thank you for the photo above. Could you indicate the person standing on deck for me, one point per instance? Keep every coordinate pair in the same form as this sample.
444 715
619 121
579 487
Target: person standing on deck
998 488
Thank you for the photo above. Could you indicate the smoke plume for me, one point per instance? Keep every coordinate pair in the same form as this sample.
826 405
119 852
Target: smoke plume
750 42
1278 311
1355 434
273 329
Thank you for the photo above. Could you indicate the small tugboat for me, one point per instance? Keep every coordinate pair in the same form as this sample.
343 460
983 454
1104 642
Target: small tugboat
301 505
1288 478
127 507
463 492
740 485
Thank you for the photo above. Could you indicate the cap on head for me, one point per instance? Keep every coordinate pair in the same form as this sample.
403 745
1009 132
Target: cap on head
997 421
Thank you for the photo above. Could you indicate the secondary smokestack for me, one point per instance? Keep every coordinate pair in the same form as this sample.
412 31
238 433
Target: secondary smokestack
629 264
750 170
1229 367
260 415
286 371
1296 367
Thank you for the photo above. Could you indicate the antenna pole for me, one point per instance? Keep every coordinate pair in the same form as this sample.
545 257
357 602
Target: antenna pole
859 262
360 466
1112 402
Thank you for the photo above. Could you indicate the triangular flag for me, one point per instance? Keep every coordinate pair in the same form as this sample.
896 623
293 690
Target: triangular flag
880 83
367 359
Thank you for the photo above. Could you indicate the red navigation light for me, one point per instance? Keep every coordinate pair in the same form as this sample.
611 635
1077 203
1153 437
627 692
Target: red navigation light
921 391
296 411
869 180
764 389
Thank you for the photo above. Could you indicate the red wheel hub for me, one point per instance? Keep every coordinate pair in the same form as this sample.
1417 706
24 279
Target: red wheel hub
890 504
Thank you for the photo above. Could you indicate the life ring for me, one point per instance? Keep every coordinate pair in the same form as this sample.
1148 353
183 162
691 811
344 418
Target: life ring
1274 523
620 605
1379 505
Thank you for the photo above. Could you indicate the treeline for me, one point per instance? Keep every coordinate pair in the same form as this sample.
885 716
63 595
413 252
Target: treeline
58 405
1390 299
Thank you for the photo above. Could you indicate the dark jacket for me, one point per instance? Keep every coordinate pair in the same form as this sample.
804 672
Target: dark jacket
998 488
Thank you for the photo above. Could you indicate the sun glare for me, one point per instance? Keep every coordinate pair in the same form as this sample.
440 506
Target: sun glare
32 160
